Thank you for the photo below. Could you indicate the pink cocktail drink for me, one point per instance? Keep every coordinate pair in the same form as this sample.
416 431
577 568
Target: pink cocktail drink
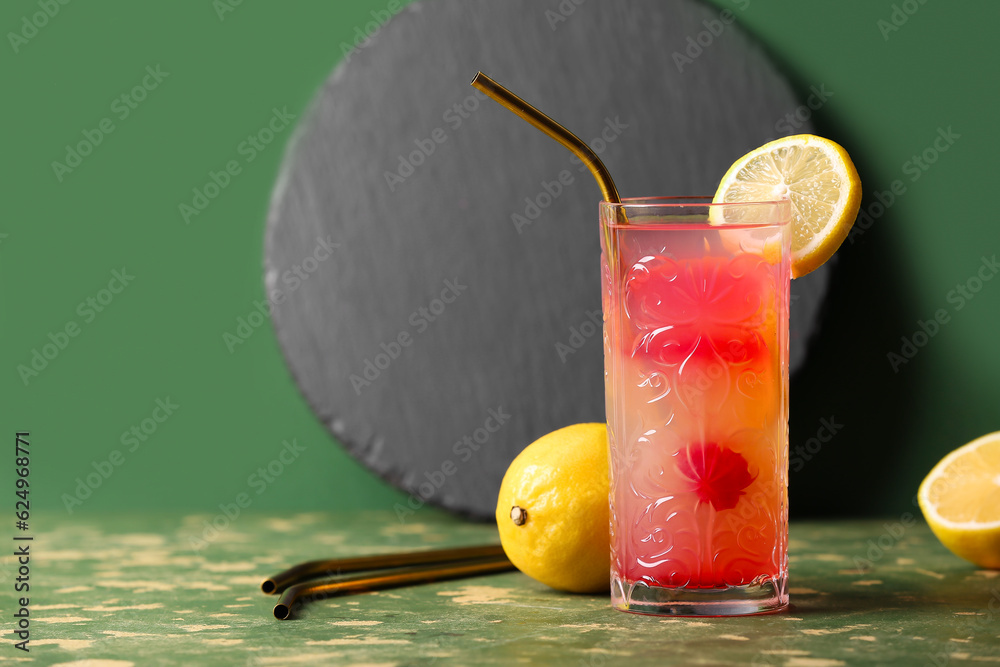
696 373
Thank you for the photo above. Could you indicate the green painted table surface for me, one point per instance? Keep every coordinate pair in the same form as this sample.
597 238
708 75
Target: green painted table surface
120 590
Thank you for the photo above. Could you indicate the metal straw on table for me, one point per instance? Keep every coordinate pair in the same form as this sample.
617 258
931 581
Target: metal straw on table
380 571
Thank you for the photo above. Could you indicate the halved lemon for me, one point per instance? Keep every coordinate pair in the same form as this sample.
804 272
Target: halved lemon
817 176
960 499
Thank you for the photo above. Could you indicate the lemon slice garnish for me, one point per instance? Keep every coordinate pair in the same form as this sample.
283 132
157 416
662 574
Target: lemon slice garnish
817 176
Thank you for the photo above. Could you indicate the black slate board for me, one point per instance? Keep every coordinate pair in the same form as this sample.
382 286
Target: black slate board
455 391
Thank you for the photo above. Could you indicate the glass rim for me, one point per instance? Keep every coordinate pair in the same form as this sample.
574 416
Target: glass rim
678 201
710 215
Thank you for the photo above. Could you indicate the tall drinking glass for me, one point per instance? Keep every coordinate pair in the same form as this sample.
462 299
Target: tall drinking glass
696 382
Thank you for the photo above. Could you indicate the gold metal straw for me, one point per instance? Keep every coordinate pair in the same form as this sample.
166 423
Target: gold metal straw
326 568
391 579
515 104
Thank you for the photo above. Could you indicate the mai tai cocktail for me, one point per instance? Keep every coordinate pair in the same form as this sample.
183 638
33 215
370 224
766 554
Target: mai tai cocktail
696 381
696 301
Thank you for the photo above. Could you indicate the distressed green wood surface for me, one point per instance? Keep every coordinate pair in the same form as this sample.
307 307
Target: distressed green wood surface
133 590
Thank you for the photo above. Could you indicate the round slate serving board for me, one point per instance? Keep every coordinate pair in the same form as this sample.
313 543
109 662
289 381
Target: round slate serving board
438 258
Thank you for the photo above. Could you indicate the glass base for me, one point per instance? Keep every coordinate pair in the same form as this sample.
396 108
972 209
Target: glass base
764 595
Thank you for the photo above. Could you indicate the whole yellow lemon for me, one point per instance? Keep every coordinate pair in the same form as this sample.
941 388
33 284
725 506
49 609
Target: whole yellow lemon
553 513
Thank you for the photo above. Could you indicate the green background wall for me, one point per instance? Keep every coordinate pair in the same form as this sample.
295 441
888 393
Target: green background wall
161 337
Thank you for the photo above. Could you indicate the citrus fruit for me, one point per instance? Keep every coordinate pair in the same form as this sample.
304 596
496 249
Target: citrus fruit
960 499
817 176
552 511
